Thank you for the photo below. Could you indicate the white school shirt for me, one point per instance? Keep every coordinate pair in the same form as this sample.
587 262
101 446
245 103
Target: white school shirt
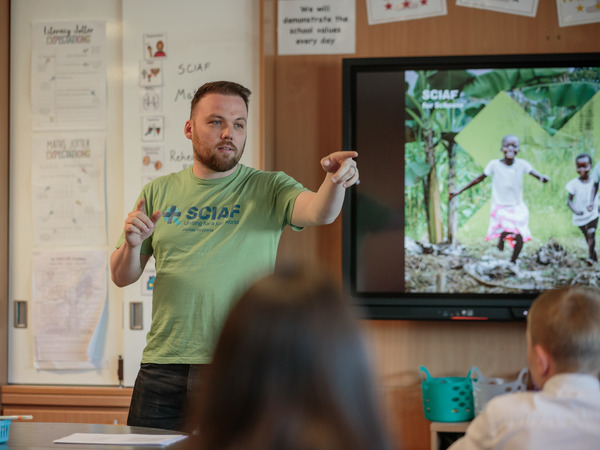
565 414
581 199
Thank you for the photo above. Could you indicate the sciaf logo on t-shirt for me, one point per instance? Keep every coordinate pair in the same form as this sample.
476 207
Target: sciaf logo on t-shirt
204 216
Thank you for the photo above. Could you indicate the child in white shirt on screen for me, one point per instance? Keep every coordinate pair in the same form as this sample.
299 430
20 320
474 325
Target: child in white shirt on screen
585 214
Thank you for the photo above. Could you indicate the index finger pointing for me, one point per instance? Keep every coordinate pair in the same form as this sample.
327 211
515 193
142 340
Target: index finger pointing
348 154
338 157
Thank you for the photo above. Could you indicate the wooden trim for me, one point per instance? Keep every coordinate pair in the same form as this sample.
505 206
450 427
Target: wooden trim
4 168
268 49
110 416
67 390
65 396
64 400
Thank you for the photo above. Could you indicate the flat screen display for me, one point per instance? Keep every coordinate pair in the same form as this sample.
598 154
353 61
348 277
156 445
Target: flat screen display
472 193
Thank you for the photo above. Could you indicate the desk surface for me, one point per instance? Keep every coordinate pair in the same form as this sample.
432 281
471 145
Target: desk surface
39 435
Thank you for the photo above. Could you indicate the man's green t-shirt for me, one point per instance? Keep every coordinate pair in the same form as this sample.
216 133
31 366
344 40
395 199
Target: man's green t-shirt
214 238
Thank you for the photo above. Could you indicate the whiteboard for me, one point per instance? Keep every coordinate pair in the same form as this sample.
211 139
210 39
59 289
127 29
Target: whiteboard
205 41
23 14
224 34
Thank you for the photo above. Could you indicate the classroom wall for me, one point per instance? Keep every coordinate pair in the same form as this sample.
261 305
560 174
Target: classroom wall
302 122
305 124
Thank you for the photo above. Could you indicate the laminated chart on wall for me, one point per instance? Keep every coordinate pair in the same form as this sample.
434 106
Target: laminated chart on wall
379 11
69 197
69 297
526 8
68 75
578 12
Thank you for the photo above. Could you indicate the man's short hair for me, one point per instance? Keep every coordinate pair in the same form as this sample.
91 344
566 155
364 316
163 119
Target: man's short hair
566 322
223 88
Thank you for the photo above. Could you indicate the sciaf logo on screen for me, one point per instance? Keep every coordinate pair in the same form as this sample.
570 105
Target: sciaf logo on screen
440 98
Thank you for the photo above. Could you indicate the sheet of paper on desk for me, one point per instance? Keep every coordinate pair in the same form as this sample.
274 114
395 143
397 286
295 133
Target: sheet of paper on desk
121 439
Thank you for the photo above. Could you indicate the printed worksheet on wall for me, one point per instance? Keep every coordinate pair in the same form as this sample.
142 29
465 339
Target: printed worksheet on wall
68 76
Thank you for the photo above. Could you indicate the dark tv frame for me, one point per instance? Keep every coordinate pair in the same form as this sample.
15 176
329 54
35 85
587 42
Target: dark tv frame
429 306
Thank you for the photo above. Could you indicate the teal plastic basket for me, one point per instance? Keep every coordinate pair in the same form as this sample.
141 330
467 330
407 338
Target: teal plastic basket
448 399
4 426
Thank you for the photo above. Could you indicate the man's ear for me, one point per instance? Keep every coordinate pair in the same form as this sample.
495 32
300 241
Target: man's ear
187 129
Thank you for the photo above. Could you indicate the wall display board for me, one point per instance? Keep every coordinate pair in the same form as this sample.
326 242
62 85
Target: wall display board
156 55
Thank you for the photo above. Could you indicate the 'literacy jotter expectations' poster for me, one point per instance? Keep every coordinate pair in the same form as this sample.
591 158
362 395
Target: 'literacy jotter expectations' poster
68 76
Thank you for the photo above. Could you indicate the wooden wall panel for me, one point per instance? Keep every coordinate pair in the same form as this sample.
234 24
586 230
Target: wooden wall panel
470 31
305 125
73 404
315 132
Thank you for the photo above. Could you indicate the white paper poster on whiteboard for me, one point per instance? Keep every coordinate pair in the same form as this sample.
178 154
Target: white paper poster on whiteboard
68 75
69 295
69 198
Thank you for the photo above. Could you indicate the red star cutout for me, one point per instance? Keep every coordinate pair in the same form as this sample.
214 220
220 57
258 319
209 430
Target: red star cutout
406 4
388 6
423 2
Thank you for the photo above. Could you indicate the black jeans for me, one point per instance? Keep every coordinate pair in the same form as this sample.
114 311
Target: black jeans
162 394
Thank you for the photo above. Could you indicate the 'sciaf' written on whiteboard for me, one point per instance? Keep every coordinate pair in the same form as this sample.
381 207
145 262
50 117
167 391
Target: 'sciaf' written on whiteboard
190 68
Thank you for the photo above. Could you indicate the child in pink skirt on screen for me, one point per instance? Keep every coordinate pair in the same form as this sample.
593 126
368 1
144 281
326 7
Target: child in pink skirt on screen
509 218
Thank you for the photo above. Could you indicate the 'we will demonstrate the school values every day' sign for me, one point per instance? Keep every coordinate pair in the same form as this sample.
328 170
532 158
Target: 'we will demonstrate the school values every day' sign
313 27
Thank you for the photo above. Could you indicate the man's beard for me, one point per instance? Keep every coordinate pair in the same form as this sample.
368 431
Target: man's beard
215 160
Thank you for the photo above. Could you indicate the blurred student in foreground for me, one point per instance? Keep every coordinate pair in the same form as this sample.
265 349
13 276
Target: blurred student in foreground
290 371
563 352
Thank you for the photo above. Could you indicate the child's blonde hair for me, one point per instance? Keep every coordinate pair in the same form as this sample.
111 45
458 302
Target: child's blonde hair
566 322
